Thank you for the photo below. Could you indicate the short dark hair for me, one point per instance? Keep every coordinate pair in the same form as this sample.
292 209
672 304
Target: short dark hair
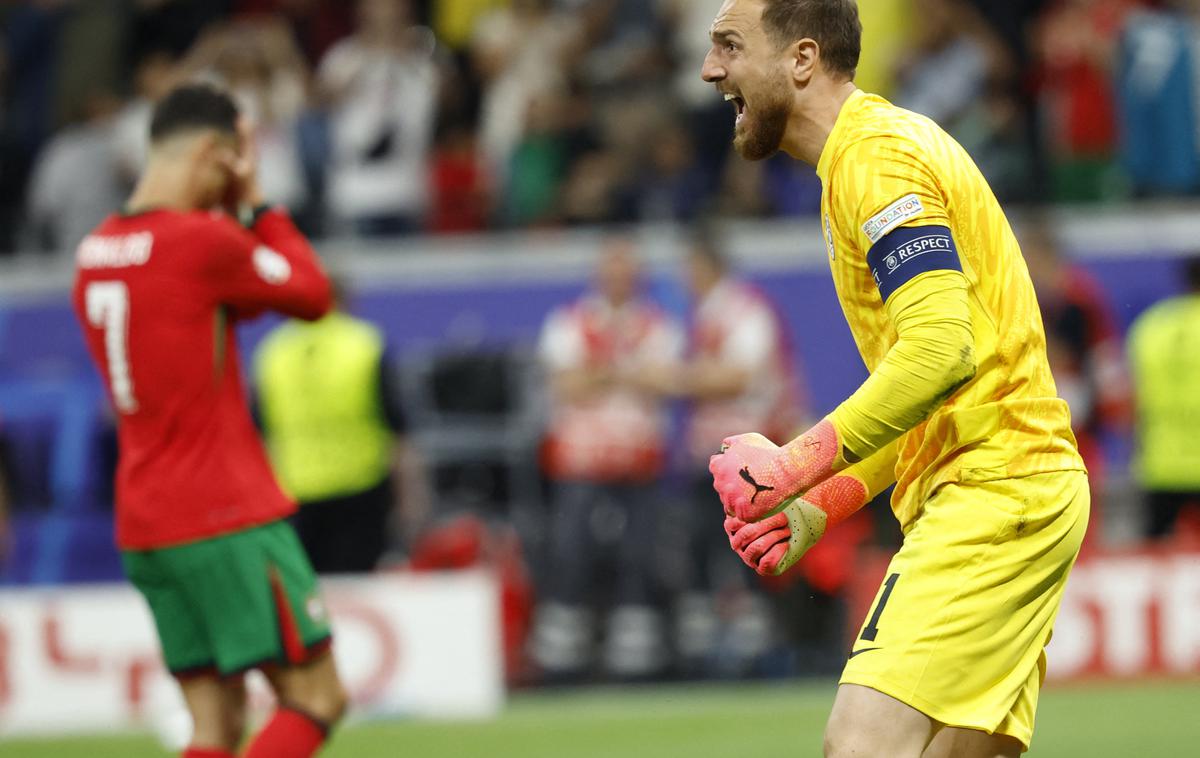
833 24
191 107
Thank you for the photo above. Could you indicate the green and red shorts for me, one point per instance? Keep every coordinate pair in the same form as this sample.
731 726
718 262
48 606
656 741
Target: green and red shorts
231 603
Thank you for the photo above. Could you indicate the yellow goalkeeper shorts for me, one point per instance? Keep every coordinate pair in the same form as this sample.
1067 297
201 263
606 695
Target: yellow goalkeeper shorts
959 626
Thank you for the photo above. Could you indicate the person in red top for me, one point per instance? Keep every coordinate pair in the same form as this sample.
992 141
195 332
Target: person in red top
199 516
604 455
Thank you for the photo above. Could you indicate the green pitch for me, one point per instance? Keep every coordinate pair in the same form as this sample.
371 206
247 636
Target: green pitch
676 722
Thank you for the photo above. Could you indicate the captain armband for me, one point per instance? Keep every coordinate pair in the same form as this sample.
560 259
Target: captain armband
909 251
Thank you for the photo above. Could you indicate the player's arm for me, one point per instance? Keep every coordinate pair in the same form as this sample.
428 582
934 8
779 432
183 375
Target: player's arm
925 295
773 545
905 229
269 266
933 356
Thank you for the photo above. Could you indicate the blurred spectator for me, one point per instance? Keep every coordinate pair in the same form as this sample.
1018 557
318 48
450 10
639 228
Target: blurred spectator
523 54
28 33
335 435
739 377
551 112
8 156
624 48
259 63
1086 356
707 115
539 163
154 74
604 453
950 60
173 25
670 186
316 25
77 180
1164 352
460 189
91 39
1157 84
380 86
1075 44
993 132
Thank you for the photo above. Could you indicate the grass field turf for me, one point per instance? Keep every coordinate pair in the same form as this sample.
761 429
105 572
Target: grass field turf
1098 721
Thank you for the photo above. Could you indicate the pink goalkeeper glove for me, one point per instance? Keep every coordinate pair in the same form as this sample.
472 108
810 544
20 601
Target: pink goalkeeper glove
773 545
754 476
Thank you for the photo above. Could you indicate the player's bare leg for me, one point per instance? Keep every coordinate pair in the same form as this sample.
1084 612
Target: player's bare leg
313 688
218 709
952 742
866 723
311 701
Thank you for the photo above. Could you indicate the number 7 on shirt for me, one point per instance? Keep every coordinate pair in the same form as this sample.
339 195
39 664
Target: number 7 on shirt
107 305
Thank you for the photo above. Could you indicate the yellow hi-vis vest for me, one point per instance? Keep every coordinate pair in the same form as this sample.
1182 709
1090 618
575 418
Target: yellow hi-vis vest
321 407
1164 355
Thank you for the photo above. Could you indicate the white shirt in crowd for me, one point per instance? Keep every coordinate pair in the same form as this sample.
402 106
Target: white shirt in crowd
621 433
381 127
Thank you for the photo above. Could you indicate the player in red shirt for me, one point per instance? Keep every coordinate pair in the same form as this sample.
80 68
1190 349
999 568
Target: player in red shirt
199 514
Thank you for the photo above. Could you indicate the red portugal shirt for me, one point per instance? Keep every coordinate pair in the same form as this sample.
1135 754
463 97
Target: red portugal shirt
157 294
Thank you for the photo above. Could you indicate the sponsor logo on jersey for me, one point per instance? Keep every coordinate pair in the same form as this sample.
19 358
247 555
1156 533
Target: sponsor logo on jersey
829 237
904 209
272 267
121 251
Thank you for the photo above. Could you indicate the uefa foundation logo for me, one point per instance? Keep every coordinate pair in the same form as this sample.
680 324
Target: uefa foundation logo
904 209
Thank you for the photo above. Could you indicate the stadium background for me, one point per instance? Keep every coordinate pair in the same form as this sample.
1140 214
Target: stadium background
529 131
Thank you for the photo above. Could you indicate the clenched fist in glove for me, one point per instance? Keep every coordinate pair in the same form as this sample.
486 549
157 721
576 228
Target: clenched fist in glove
773 545
754 477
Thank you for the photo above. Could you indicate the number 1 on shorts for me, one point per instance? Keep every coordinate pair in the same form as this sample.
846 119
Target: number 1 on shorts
871 630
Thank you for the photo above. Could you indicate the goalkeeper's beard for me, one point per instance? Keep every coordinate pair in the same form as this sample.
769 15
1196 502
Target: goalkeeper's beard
761 132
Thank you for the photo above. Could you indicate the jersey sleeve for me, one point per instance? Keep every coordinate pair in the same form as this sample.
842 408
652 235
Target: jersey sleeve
933 357
892 203
269 267
888 191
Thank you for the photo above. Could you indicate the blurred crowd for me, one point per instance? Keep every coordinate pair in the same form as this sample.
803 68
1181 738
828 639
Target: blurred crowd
383 117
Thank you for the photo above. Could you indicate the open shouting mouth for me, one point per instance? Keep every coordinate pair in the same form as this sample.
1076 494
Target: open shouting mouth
739 106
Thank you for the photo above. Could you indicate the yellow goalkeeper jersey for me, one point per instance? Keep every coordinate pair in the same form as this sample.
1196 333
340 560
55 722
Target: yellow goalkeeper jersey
901 197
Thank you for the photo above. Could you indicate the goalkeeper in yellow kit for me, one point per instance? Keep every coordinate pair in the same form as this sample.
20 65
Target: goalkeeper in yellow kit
960 410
